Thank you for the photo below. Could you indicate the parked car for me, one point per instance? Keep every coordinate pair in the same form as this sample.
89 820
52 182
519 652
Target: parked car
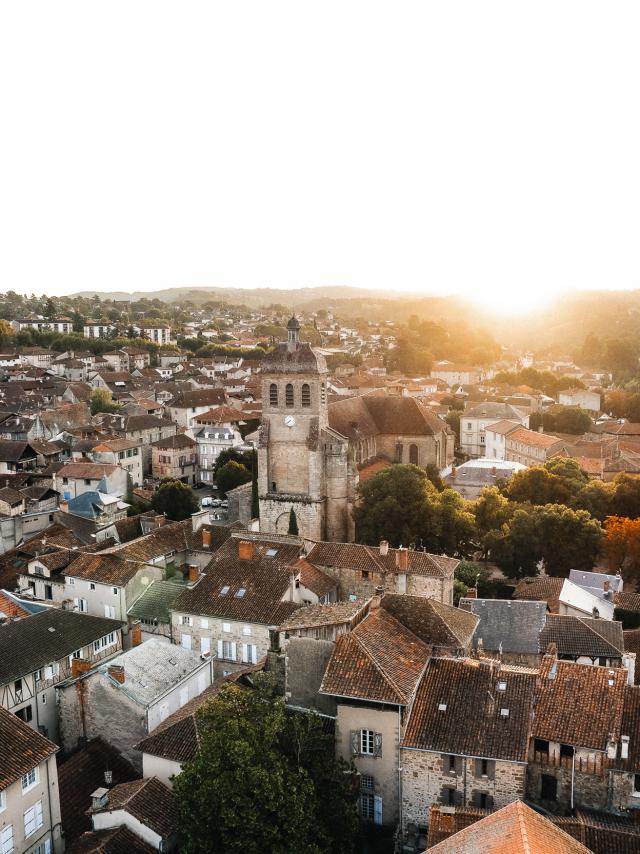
207 501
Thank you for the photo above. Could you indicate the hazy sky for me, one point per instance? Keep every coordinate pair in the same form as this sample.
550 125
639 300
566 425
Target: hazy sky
488 149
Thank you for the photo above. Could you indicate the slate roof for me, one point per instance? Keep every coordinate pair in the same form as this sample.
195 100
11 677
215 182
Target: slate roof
510 626
367 558
264 578
29 644
588 723
380 661
472 722
490 409
118 840
433 622
148 800
80 775
545 588
150 669
22 748
583 636
514 829
12 452
156 601
198 397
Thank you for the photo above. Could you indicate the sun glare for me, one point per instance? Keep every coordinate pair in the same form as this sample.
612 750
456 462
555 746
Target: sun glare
512 303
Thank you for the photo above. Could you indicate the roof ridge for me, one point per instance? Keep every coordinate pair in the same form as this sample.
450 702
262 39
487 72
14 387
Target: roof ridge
379 669
526 848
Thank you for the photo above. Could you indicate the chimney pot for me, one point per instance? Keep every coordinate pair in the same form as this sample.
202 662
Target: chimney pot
136 633
116 671
245 549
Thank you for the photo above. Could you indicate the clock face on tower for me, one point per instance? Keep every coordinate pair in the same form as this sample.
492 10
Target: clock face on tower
289 420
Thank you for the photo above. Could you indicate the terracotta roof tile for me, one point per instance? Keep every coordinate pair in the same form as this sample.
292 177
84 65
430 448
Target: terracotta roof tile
583 636
472 720
22 748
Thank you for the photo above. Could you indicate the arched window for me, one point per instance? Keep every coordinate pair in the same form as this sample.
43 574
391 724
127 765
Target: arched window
323 393
306 394
288 395
273 394
413 454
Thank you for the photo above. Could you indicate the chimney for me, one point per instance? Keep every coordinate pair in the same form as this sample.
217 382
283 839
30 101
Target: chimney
402 559
624 747
116 671
79 666
494 471
136 633
454 472
193 573
245 549
384 548
605 587
471 593
99 799
206 538
374 604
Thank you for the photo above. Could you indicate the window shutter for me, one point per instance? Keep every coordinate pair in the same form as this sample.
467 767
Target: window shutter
245 653
75 602
219 649
377 809
377 744
459 766
475 798
254 654
445 763
457 798
491 769
444 795
234 655
355 742
490 802
478 768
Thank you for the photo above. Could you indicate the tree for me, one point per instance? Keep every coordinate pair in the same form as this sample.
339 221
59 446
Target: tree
230 475
175 499
566 419
6 332
621 544
293 523
433 473
263 780
455 524
470 574
595 497
536 485
396 504
626 496
491 511
102 401
246 458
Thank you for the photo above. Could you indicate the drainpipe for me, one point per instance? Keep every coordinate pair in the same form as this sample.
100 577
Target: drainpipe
573 771
400 816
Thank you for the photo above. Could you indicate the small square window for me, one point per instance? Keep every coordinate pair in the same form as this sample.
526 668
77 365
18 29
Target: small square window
226 627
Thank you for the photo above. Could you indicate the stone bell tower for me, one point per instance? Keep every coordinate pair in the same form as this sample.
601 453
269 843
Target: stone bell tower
293 439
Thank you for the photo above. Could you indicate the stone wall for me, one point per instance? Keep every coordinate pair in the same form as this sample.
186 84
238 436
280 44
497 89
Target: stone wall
306 662
426 774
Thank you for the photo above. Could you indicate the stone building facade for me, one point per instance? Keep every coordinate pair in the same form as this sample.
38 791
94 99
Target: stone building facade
303 465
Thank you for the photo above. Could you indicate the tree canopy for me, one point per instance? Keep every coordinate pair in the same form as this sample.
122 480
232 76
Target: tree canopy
265 779
175 499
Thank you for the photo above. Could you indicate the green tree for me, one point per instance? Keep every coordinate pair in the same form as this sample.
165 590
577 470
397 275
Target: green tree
536 485
595 497
248 459
263 781
566 419
102 401
293 524
396 504
626 496
471 574
230 475
175 499
455 524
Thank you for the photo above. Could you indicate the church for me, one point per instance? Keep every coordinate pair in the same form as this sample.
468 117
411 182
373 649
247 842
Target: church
309 451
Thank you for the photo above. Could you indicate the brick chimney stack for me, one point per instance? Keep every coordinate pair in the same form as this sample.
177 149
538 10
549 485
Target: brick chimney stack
471 593
79 666
402 559
206 538
116 671
245 549
136 633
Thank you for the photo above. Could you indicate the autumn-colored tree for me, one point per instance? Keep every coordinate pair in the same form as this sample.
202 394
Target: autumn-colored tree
621 544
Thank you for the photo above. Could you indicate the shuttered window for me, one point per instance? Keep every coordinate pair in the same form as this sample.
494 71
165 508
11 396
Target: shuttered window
273 394
366 742
306 394
6 839
288 395
33 819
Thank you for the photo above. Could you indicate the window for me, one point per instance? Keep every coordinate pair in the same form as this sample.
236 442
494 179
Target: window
636 785
413 454
469 427
273 394
249 653
448 796
92 586
87 482
71 581
226 627
6 839
30 779
367 806
288 395
3 801
323 393
306 394
114 590
81 605
452 764
25 713
33 819
540 745
17 687
204 623
43 848
566 750
246 630
548 788
109 612
228 650
186 621
366 742
240 592
44 699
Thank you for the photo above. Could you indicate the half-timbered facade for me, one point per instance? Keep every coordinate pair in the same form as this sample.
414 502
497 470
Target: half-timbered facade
40 651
